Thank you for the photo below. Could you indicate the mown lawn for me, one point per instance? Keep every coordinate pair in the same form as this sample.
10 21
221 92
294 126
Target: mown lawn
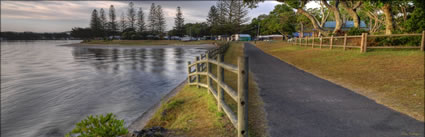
394 78
148 42
193 112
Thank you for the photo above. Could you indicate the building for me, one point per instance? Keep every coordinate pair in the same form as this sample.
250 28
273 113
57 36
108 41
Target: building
241 37
330 25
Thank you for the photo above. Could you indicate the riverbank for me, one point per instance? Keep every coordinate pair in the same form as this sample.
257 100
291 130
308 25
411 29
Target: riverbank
193 112
392 78
147 42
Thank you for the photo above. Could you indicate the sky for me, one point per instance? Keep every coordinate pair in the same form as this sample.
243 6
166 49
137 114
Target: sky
60 16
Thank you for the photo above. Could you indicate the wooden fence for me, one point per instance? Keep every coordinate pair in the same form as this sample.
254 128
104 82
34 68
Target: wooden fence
362 44
203 67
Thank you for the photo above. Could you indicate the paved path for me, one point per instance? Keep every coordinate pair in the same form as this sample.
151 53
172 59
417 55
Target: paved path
299 104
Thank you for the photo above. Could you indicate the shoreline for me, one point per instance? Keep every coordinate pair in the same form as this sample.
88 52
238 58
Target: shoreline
83 45
143 119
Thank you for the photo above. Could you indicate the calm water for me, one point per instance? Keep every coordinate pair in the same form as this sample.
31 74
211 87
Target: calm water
46 89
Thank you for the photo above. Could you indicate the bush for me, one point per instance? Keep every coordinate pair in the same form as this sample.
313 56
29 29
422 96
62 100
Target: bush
396 41
356 31
99 126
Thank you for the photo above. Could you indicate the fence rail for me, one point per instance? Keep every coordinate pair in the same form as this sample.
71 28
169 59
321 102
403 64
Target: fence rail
362 44
203 67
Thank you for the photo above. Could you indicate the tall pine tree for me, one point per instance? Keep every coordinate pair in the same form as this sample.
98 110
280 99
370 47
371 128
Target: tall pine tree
112 21
95 24
152 19
131 15
160 20
179 23
123 22
212 20
141 20
103 21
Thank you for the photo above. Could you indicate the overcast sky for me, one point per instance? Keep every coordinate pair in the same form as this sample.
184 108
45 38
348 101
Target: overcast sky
59 16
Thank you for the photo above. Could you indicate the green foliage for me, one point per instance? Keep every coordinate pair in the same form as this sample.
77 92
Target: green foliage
99 126
356 31
416 22
395 41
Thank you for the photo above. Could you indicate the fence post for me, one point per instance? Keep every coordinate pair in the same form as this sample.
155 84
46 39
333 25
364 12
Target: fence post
345 40
220 78
312 42
365 43
423 41
208 67
188 72
361 43
331 41
198 77
242 101
321 42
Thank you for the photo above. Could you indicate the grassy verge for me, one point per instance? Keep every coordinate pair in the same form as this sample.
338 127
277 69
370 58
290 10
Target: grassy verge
148 42
193 112
394 78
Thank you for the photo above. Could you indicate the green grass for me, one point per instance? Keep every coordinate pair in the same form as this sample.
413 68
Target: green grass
192 112
148 42
200 108
394 78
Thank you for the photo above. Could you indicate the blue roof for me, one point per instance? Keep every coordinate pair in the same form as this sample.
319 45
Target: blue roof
348 24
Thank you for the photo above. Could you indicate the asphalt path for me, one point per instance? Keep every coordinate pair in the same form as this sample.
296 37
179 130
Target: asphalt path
299 104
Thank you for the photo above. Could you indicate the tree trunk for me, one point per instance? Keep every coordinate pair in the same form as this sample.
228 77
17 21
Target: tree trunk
313 21
352 11
389 26
337 14
302 30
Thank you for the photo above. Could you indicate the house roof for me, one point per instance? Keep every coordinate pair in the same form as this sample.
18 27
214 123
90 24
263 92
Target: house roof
348 24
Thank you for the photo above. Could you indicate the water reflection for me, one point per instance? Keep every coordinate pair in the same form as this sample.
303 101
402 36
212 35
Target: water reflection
46 89
155 60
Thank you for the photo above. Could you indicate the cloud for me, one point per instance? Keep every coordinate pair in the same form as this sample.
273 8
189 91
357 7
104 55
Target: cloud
57 16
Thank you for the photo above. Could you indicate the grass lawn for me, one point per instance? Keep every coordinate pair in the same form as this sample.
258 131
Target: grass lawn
193 112
394 78
149 42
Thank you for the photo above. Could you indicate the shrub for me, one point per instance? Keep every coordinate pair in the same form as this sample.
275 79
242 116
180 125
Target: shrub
356 31
99 126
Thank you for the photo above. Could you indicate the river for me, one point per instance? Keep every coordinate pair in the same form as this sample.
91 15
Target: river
46 89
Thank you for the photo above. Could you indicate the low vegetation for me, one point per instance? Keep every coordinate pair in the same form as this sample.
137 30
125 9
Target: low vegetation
193 111
394 78
147 42
99 126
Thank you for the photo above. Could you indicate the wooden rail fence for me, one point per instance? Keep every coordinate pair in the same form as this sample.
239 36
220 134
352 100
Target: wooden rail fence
203 67
362 45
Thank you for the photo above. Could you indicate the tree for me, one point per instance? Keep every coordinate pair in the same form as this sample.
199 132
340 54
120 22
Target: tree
112 20
82 33
152 19
416 21
237 14
99 126
282 20
337 15
212 20
389 26
141 20
351 7
131 15
160 24
123 22
299 5
179 23
212 16
103 21
95 24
